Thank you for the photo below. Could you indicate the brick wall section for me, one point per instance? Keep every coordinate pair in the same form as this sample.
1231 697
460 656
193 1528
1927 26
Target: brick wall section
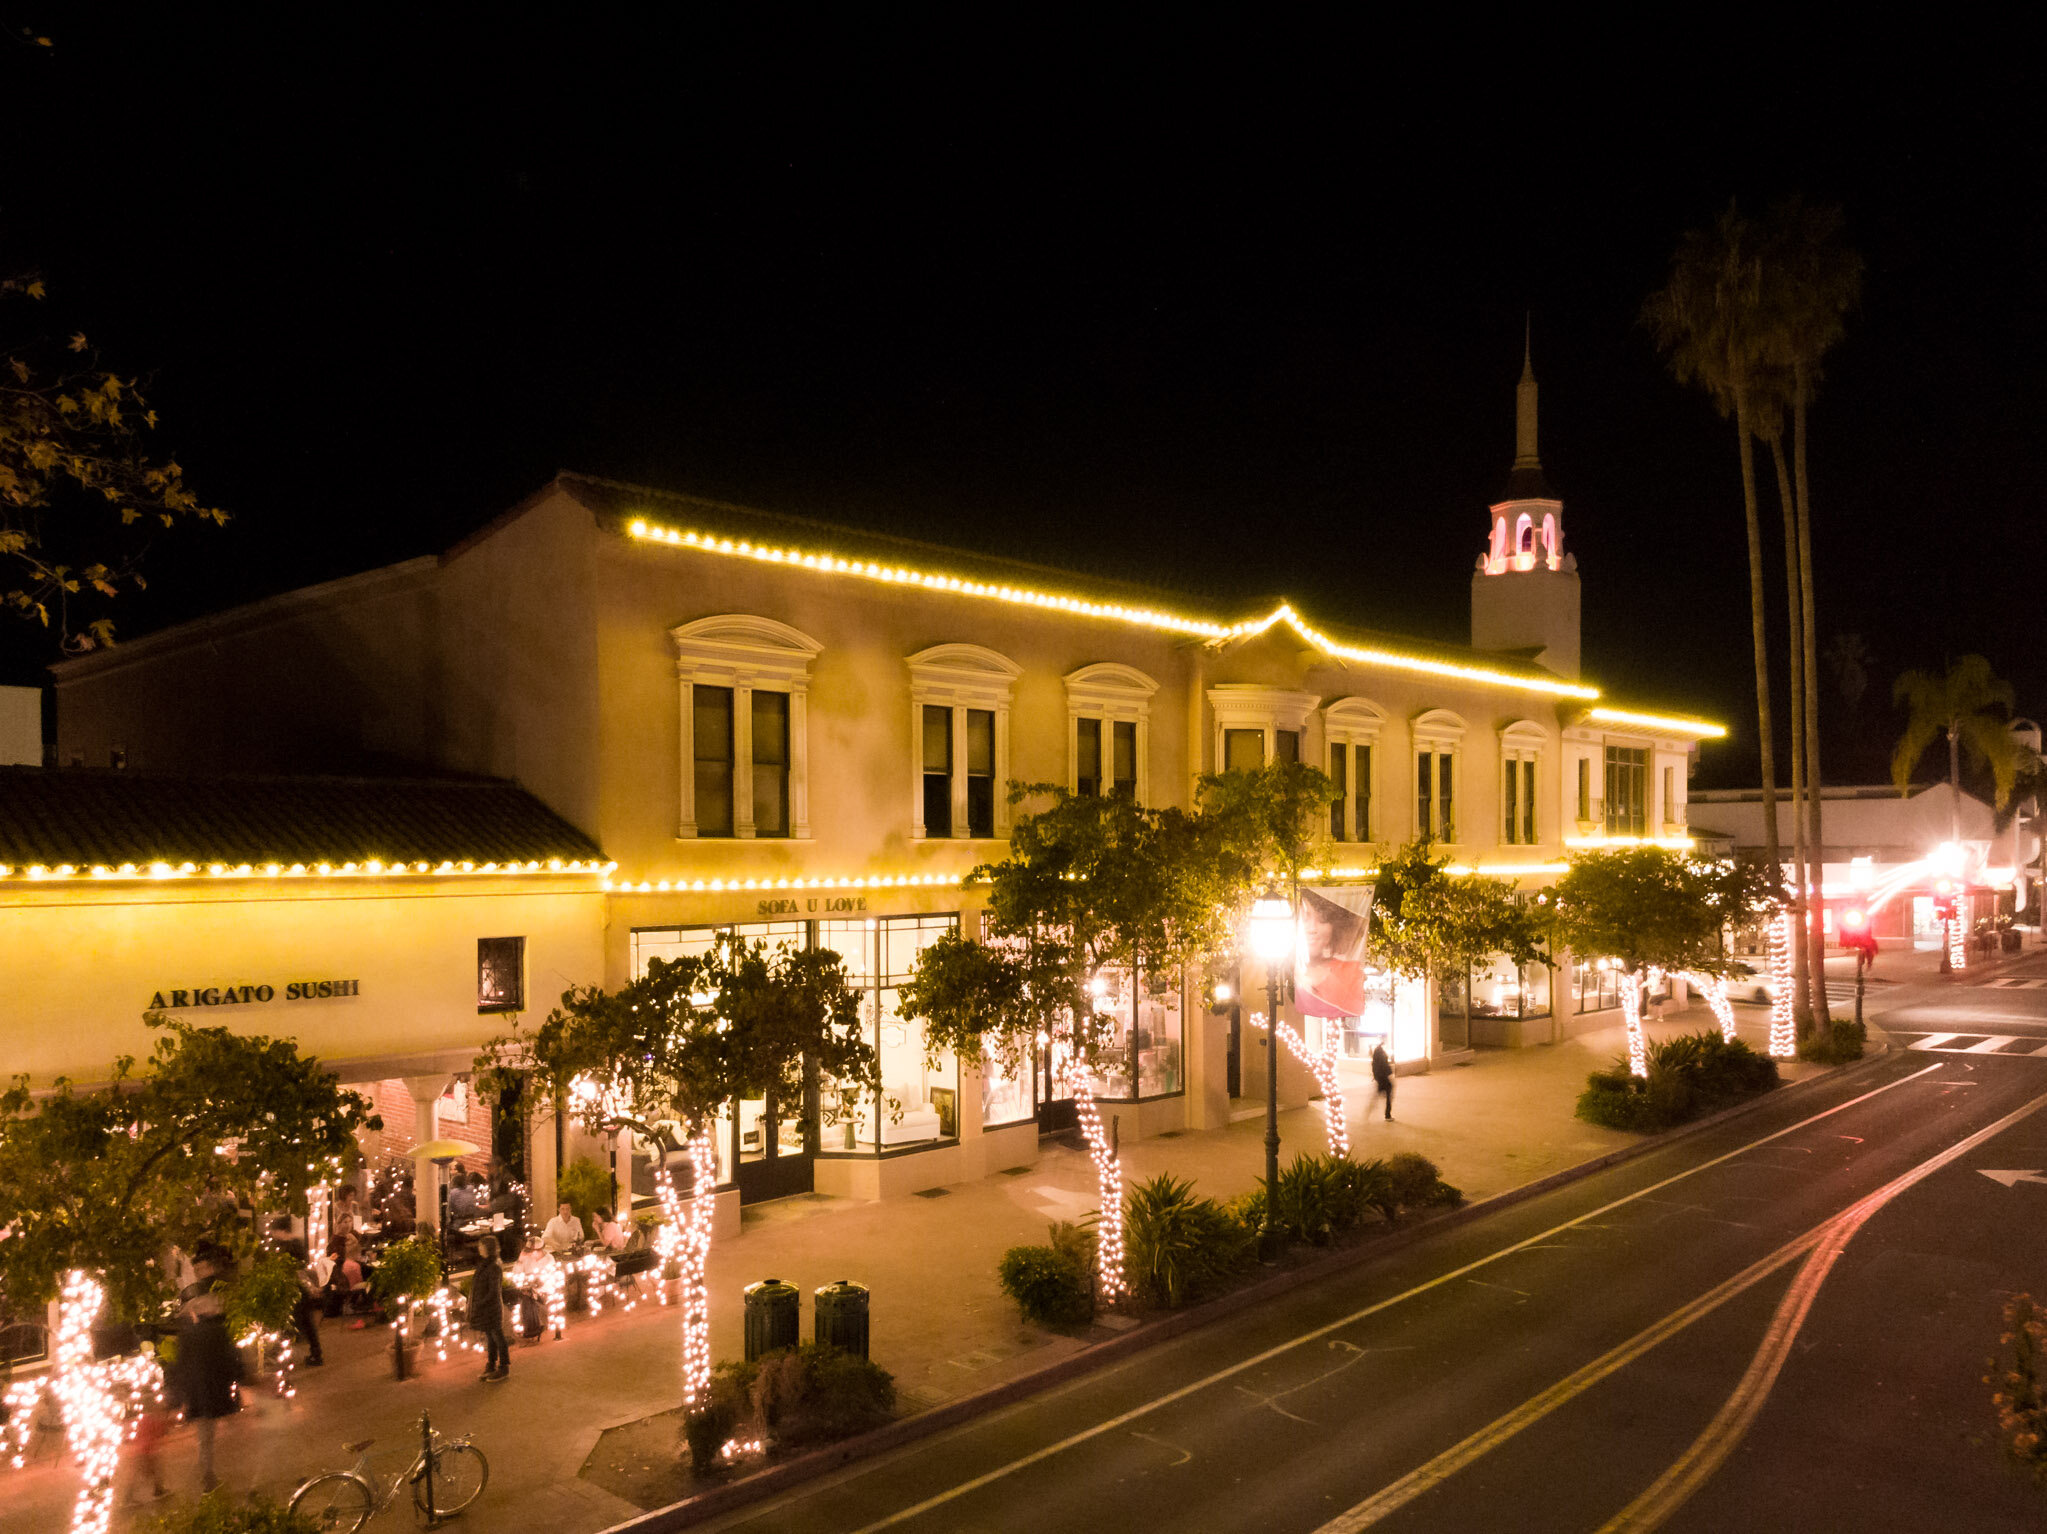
394 1105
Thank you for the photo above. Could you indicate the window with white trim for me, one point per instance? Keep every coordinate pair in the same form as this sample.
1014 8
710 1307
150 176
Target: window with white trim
1255 725
1350 731
1627 791
959 727
1521 746
1437 736
1108 730
745 697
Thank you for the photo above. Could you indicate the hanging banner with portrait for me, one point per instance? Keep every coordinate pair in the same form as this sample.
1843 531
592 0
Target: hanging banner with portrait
1329 978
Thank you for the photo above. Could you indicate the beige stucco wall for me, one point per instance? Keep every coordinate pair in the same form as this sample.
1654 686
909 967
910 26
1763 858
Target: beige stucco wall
86 960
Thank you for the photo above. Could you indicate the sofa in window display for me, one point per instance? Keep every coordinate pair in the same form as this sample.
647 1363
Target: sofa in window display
906 1119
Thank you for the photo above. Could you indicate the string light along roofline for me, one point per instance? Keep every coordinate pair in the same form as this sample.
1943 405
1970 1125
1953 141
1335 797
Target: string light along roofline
1675 724
368 868
1209 629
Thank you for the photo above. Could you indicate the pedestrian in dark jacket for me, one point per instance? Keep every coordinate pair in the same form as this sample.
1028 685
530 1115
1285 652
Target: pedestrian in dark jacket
304 1316
487 1311
1382 1077
204 1376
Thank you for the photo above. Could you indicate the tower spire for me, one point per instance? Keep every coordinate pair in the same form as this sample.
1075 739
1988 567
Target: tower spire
1524 402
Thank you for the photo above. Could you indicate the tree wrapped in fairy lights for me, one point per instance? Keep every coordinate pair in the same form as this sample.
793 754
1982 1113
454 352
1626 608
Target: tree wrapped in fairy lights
1094 886
101 1190
1651 912
677 1045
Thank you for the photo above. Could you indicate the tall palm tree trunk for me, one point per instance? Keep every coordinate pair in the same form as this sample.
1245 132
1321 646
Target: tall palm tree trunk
1816 841
1765 745
1801 966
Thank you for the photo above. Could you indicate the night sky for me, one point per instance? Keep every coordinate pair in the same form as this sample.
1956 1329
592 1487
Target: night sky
1235 310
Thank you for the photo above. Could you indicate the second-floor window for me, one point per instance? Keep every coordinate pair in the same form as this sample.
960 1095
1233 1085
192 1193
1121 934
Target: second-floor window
1105 756
1585 793
745 700
1627 791
1435 805
1517 801
1350 813
960 696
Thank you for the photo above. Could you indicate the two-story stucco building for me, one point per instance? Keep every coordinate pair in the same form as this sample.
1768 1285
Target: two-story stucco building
774 727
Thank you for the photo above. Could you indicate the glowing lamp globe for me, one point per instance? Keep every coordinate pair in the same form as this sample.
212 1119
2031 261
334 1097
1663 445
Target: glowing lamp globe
1271 926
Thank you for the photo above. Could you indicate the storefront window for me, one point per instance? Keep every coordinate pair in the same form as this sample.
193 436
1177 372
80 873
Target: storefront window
1006 1095
919 1102
1597 986
1394 1015
1499 989
1143 1031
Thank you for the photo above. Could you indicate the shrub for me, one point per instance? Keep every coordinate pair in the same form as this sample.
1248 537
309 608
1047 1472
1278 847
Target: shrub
408 1270
1417 1184
1842 1043
1360 1190
585 1185
1691 1074
221 1512
1048 1285
262 1296
1303 1208
791 1397
707 1429
1179 1247
1074 1241
2021 1405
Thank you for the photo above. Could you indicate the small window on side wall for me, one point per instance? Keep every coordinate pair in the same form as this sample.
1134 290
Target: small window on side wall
500 974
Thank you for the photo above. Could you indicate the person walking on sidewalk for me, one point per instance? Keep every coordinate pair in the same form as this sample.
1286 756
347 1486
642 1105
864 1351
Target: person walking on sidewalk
487 1311
1382 1076
205 1373
304 1317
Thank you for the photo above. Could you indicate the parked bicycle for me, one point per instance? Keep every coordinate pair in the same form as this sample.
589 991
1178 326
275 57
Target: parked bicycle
446 1475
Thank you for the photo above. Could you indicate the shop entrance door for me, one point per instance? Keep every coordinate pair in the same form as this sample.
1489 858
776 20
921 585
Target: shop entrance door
1056 1112
776 1151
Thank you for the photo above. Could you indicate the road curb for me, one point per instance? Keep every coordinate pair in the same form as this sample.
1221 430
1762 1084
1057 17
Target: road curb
716 1501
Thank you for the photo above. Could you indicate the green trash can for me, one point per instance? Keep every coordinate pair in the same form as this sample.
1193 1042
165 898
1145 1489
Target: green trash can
839 1316
772 1319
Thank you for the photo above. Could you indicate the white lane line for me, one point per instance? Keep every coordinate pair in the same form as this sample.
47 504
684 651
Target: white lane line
1671 1490
1124 1419
1989 1046
1824 1240
1934 1040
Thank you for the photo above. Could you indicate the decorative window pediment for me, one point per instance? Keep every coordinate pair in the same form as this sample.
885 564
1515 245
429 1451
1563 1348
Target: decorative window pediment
1108 729
1438 729
745 706
959 741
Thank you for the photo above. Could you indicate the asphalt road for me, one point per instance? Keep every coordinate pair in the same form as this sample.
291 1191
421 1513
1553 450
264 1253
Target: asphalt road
1781 1323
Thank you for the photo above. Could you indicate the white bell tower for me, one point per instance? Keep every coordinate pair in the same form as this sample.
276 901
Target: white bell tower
1524 593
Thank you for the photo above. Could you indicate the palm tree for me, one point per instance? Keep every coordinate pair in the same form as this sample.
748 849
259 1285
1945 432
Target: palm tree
1964 706
1814 280
1770 405
1707 321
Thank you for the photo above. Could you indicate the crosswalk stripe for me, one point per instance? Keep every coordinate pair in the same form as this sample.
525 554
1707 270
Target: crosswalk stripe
1993 1044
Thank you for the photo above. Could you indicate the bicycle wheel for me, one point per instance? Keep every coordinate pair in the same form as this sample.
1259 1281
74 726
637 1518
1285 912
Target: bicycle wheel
460 1474
336 1503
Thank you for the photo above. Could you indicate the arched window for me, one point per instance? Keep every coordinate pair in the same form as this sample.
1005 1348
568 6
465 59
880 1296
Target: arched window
1108 729
1350 728
1524 535
959 733
745 754
1521 748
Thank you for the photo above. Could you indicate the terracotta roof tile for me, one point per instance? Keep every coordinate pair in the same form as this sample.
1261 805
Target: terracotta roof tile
84 818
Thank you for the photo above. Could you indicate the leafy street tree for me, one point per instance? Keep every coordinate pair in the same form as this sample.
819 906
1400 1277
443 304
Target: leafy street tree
676 1045
101 1189
1266 823
1091 884
78 483
1709 322
1427 921
1649 910
1969 704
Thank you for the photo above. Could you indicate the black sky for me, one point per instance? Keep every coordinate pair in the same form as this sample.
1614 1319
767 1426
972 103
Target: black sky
1236 309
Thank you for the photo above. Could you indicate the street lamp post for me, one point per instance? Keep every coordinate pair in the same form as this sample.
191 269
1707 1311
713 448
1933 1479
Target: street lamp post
1272 939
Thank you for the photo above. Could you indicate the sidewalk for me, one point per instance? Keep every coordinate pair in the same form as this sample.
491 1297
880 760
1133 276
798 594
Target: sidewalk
940 1323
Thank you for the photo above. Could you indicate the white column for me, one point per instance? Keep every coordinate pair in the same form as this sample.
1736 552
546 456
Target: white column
959 770
426 1125
799 758
686 821
1000 824
742 757
917 767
